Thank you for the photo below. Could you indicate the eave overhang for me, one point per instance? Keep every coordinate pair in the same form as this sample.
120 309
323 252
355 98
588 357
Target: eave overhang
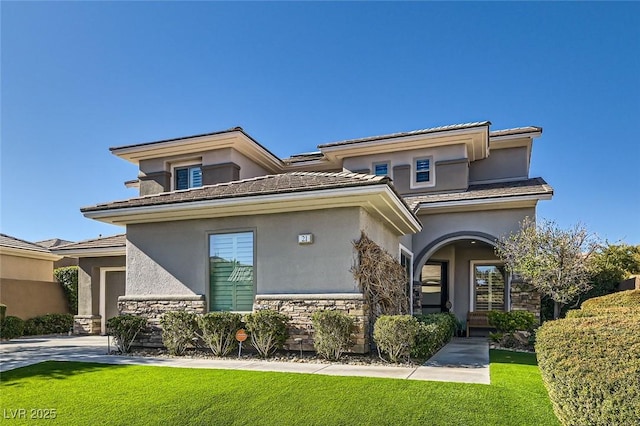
497 203
31 254
476 140
93 252
236 139
379 200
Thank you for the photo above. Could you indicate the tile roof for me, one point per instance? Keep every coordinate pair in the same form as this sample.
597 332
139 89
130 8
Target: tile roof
515 131
534 186
17 243
411 133
53 242
262 185
113 241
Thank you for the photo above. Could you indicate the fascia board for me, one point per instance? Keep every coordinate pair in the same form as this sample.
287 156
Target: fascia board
31 254
236 140
93 252
482 203
476 140
529 135
378 199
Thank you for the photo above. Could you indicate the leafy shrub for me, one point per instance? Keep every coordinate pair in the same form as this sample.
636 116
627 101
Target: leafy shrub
48 324
332 333
3 311
178 330
218 331
124 329
395 335
268 330
510 322
590 367
622 299
11 327
434 331
68 279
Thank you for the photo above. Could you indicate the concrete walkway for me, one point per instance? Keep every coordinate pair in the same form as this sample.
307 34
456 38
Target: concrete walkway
462 360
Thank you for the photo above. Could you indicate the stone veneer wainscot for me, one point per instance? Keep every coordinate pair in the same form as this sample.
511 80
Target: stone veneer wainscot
300 307
153 307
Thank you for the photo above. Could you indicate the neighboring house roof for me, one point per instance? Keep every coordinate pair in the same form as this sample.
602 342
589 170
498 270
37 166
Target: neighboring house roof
535 188
410 133
287 192
53 242
113 245
18 247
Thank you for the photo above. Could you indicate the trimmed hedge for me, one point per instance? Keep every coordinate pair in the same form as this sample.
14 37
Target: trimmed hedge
395 335
268 331
332 333
124 329
512 321
178 331
3 311
621 303
591 365
48 324
218 331
434 331
11 327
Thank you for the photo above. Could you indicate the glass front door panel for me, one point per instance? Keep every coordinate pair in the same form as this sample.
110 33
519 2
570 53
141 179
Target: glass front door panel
431 278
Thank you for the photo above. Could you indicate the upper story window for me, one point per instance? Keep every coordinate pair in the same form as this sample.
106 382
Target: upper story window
187 177
381 169
422 171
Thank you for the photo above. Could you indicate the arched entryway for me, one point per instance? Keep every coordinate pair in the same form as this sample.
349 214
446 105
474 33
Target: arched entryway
460 273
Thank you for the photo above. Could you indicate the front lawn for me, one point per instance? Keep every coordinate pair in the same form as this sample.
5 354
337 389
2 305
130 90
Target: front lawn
86 394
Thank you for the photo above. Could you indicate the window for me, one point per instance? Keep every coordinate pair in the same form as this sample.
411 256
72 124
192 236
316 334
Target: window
231 267
489 285
423 170
188 177
381 169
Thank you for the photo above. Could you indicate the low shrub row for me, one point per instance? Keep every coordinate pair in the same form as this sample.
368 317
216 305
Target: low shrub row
590 362
515 329
12 327
404 336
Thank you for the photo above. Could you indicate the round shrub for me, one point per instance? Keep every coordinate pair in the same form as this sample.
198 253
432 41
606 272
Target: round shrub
11 327
48 324
434 331
218 331
591 368
332 333
512 321
395 335
178 331
124 329
268 330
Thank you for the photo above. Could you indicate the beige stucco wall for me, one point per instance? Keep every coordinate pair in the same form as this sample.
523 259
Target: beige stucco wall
23 268
171 258
30 298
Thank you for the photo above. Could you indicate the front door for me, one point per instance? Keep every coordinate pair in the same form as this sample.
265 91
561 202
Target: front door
435 288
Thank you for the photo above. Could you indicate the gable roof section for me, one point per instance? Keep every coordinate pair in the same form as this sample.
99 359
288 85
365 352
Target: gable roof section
53 242
17 247
508 194
114 245
295 191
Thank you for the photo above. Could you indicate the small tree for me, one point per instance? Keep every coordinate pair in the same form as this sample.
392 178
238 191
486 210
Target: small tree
553 260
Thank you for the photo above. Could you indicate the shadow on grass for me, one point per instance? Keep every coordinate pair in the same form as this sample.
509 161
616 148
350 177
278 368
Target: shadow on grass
51 370
511 357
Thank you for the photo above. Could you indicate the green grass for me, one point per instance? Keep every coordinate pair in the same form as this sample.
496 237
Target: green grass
87 394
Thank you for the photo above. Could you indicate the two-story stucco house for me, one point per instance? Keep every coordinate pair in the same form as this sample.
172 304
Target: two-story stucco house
221 223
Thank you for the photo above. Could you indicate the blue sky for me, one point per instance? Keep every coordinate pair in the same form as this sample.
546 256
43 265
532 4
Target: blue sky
80 77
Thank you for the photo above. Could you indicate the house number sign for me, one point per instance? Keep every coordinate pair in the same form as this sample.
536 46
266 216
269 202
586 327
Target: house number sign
305 239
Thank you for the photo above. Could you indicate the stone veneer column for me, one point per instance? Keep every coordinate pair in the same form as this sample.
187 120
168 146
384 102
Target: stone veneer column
87 324
300 307
153 307
525 298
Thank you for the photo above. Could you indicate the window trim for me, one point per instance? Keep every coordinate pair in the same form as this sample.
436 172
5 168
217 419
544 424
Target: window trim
409 254
255 264
472 287
171 166
378 163
414 172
